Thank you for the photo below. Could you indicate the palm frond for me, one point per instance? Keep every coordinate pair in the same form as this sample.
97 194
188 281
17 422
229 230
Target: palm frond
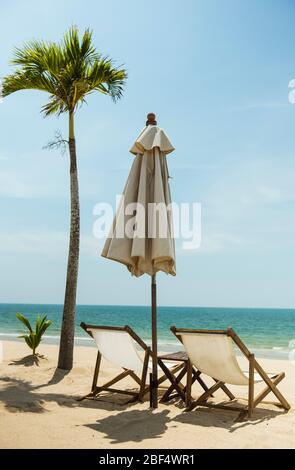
34 338
68 71
25 321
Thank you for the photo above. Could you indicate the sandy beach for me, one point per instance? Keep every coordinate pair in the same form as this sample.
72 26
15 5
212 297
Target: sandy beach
38 409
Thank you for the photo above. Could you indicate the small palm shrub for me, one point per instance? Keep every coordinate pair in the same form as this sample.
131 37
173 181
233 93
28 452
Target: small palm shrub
33 339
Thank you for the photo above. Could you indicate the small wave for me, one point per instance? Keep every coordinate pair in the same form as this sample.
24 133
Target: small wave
83 338
16 335
12 335
78 338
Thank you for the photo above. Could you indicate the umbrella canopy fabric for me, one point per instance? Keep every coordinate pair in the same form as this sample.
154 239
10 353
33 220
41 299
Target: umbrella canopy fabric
142 233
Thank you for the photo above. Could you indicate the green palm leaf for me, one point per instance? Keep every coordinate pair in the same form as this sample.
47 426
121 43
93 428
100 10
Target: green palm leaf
25 321
68 71
34 338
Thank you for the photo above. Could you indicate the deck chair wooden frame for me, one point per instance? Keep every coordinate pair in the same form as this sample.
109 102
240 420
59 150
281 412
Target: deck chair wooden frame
271 381
140 380
108 386
176 389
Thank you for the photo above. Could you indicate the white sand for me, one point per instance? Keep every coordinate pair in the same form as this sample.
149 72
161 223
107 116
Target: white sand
38 409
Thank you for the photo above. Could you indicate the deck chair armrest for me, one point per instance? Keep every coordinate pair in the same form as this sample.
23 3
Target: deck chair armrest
85 328
174 331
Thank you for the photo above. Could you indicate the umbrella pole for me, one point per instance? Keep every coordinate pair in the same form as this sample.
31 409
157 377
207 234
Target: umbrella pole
154 381
151 120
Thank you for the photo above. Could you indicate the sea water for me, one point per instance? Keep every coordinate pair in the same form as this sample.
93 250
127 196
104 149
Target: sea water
268 332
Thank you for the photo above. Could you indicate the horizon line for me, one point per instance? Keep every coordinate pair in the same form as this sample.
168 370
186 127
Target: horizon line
149 306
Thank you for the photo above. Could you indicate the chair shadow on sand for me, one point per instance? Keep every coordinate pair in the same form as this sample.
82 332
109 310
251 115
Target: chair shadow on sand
138 425
230 420
128 424
132 425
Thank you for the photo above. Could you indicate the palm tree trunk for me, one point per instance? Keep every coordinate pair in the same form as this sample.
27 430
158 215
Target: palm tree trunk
66 348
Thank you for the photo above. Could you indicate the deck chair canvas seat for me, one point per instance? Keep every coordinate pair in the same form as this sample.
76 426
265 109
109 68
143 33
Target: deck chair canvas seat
212 352
118 346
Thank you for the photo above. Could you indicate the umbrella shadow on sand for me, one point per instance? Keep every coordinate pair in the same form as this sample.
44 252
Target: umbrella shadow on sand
132 425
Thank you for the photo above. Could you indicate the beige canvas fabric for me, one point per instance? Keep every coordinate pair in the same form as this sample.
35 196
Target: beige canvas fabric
137 239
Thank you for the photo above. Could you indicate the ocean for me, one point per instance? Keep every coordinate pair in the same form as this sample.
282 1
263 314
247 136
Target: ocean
268 332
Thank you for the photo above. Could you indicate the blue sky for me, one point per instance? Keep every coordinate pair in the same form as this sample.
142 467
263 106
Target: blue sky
216 73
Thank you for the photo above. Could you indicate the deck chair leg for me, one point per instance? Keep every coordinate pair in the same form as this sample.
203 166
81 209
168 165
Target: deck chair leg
105 387
141 381
272 386
251 386
196 376
276 380
114 380
94 380
138 381
188 391
96 371
168 392
178 387
144 374
227 392
135 377
204 397
163 378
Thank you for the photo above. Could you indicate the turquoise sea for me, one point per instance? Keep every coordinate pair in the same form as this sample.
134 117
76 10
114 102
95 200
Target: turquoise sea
267 331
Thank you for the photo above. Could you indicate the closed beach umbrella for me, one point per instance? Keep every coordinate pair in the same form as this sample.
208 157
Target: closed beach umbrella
142 234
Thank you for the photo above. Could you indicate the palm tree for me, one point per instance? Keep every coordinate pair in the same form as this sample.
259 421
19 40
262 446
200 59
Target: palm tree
68 71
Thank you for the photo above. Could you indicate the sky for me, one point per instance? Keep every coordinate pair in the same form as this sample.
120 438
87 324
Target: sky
216 73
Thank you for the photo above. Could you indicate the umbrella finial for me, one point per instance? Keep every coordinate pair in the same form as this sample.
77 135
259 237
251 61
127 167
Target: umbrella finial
151 119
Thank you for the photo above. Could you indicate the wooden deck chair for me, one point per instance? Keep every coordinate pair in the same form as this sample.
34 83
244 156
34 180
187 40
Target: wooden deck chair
212 352
118 346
